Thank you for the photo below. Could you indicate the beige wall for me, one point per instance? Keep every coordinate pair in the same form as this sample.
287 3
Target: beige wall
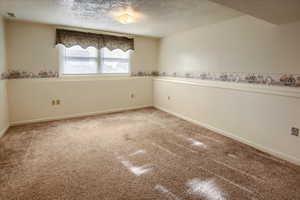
243 44
2 46
256 115
31 99
31 48
3 91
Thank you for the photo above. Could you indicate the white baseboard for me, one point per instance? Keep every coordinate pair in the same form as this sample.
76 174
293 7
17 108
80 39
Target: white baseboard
233 136
77 115
2 132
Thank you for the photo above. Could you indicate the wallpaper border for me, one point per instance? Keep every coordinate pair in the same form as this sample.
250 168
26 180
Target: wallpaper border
272 79
17 74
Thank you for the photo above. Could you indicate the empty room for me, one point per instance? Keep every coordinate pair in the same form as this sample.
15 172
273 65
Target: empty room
149 99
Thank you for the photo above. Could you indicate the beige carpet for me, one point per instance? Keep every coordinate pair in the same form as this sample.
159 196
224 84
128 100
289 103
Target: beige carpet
142 154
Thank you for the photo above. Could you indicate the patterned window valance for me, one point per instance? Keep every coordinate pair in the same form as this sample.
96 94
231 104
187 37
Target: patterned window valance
70 38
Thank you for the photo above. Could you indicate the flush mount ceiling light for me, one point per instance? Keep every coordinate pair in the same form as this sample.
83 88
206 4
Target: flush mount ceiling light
126 16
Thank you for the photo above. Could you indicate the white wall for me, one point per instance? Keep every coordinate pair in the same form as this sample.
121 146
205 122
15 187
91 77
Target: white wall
243 44
30 99
30 47
258 115
3 91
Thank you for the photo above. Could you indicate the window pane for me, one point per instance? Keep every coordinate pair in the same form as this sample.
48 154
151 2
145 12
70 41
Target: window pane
115 66
117 53
80 61
116 61
77 51
80 66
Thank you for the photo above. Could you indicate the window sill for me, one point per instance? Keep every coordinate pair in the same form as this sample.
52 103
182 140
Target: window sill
94 75
82 77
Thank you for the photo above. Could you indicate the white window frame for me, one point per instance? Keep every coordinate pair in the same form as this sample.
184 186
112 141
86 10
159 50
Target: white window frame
62 55
101 60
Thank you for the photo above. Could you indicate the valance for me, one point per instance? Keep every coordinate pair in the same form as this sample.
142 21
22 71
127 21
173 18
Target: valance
70 38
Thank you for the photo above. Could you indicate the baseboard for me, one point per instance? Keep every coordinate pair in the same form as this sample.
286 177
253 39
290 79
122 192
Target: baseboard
3 131
77 115
233 136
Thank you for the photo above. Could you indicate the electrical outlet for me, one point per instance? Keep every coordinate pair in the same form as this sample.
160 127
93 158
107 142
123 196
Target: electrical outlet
132 96
55 102
295 131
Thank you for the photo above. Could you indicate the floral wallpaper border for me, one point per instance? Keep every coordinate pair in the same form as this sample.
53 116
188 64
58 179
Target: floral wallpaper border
276 79
16 74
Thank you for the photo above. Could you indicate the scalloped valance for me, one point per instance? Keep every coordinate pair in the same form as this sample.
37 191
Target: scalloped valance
70 38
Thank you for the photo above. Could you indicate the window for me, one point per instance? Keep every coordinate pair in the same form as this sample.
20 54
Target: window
76 60
116 61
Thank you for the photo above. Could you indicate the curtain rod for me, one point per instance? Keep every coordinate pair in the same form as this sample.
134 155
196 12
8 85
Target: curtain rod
95 31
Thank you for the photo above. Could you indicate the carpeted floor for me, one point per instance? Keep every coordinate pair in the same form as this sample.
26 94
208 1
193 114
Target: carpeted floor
141 154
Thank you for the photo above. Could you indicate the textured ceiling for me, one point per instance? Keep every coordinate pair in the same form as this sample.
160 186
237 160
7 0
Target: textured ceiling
158 17
274 11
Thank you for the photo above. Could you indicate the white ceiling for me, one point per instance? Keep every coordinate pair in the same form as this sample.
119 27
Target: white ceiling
160 17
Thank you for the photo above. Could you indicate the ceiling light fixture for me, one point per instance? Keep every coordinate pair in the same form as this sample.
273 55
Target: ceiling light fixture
126 15
125 18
